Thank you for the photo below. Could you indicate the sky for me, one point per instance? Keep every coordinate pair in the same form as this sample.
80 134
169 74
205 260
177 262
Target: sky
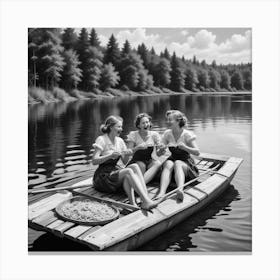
225 45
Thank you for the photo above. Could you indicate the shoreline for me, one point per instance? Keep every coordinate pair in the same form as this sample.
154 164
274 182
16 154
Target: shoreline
116 93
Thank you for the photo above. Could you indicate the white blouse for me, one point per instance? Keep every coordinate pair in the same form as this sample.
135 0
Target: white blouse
106 146
152 139
169 139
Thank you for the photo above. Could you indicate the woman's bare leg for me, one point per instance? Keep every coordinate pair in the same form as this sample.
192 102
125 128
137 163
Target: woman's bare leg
179 171
152 171
138 171
129 191
165 177
135 183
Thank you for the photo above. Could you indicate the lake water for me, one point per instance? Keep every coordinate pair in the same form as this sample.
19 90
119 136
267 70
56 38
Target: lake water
60 137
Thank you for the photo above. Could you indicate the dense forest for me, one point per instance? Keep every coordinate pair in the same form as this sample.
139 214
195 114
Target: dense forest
64 65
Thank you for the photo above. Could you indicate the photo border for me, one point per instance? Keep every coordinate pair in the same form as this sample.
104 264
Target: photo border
262 16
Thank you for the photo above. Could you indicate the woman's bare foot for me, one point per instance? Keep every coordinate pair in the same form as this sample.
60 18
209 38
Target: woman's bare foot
159 196
148 205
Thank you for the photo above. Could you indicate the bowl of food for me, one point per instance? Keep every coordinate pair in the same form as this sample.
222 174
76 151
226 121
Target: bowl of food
86 211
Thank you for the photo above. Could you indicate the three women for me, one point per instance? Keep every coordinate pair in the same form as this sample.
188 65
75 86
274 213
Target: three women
110 149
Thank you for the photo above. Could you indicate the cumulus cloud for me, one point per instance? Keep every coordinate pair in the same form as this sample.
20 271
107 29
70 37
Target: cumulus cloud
203 39
202 44
236 43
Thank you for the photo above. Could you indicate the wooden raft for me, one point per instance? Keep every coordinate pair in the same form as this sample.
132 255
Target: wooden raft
132 230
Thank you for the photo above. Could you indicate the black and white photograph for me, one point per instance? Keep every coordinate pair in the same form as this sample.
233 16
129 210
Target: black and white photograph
139 139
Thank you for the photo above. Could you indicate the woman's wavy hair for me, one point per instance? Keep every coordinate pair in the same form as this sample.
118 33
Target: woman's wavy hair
110 122
179 117
140 117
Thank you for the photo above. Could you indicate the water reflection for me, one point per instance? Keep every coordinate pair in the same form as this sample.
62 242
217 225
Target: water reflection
55 129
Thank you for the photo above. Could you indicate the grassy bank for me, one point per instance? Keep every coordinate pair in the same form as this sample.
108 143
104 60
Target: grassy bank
40 95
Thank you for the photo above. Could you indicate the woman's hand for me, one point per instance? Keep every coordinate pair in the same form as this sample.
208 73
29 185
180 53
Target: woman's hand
161 150
115 155
181 146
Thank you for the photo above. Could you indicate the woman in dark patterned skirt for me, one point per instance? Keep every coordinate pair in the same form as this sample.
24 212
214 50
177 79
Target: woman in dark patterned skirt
111 176
144 142
181 144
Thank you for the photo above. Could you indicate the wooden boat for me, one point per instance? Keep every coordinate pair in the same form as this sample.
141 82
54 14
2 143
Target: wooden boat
133 228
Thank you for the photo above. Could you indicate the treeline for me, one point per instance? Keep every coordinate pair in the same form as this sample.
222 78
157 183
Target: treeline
77 63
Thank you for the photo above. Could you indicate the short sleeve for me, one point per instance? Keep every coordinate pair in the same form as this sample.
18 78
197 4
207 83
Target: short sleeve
156 138
99 143
189 136
131 137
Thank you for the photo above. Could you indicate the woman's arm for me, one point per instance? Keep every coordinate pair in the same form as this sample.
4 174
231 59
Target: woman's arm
98 159
192 147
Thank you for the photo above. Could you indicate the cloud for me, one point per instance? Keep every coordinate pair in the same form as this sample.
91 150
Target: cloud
184 32
202 44
203 39
237 43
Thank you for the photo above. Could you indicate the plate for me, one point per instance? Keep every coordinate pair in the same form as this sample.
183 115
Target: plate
81 210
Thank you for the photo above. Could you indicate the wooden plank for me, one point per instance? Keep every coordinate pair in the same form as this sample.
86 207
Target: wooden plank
216 180
91 230
136 222
207 156
76 231
34 198
43 216
45 219
60 229
196 193
47 204
54 224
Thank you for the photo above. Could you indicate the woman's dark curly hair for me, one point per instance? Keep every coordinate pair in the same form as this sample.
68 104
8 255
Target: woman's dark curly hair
109 122
140 117
179 117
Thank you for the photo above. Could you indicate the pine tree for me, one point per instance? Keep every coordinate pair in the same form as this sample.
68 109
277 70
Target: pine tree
236 80
83 53
153 51
166 54
94 68
203 79
214 64
177 75
112 53
69 39
126 48
144 54
225 80
50 62
214 79
247 78
133 73
162 73
71 74
203 63
109 77
93 39
194 61
190 78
